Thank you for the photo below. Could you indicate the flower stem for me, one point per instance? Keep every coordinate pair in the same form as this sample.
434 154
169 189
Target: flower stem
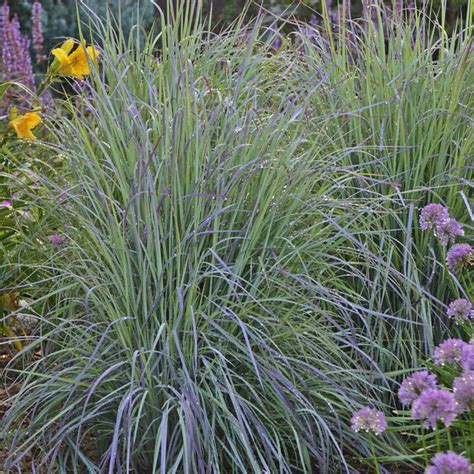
374 456
450 441
423 442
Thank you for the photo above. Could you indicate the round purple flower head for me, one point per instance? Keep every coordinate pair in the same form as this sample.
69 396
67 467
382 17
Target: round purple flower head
460 310
412 387
449 352
449 463
467 356
369 419
463 388
435 405
432 215
447 231
460 255
56 239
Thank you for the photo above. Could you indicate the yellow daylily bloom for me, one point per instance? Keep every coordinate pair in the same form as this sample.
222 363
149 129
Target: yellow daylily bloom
76 63
24 124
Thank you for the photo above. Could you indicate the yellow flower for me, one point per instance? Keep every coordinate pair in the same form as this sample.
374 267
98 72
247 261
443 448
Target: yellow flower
75 64
24 124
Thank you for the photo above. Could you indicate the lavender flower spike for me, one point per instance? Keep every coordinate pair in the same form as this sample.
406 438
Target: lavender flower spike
460 310
460 255
449 463
412 387
435 405
37 33
369 419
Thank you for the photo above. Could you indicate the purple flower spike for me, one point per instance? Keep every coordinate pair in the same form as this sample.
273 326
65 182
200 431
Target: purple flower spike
38 32
435 405
369 419
449 352
449 463
56 239
447 231
432 215
463 388
412 387
15 59
460 310
6 203
460 255
467 356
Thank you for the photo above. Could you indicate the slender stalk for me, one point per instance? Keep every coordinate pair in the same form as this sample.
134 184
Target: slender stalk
374 454
423 443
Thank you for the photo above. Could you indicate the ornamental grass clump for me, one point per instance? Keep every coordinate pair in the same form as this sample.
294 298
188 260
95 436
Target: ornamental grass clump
190 316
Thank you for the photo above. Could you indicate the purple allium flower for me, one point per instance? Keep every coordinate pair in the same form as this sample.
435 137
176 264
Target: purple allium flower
56 239
412 387
432 215
467 356
447 231
460 255
449 463
463 388
435 405
460 310
369 419
449 352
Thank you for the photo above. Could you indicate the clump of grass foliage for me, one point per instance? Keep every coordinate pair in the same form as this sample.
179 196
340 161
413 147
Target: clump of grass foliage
242 267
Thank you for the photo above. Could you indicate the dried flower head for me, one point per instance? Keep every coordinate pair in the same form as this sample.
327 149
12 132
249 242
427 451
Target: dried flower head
449 463
369 419
412 387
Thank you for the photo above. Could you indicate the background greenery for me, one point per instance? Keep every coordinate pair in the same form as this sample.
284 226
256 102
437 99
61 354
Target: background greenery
60 15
